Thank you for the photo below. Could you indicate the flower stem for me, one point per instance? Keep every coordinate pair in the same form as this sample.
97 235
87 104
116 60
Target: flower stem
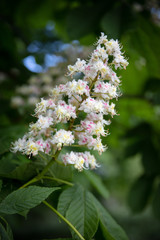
60 163
58 180
76 99
41 174
64 219
33 180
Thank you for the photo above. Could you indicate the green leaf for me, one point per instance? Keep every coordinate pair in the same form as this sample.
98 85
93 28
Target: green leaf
83 215
140 193
24 213
23 171
9 135
111 230
5 143
155 204
96 181
8 230
61 172
25 199
3 233
65 199
6 164
80 211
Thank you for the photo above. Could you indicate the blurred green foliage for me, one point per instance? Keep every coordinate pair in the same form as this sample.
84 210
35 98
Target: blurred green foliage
135 134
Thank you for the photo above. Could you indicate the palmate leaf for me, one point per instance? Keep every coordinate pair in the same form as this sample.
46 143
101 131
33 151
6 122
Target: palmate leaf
111 230
81 207
25 199
76 205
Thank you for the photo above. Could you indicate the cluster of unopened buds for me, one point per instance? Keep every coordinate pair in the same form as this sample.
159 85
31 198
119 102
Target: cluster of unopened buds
79 108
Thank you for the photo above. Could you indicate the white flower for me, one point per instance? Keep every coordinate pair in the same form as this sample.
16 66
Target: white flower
63 137
77 87
79 164
78 67
75 159
44 145
33 129
58 90
100 67
120 61
90 71
19 145
99 146
97 117
99 53
80 160
41 107
75 101
86 139
32 147
90 160
69 158
99 129
92 105
112 47
93 128
102 39
63 112
51 103
113 78
111 109
44 122
106 90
